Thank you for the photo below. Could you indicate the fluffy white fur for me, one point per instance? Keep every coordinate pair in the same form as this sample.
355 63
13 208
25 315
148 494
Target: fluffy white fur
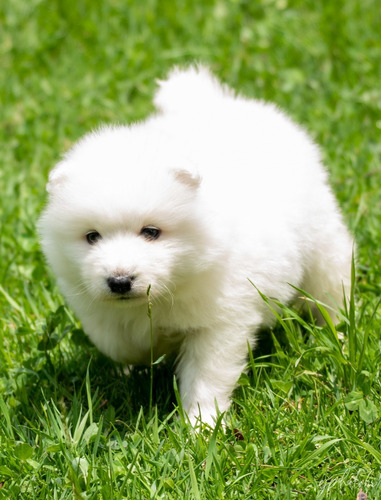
239 194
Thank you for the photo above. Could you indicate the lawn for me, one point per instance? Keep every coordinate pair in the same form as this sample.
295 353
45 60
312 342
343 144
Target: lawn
305 420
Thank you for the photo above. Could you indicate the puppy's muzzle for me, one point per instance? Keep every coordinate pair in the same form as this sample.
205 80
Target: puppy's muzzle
120 285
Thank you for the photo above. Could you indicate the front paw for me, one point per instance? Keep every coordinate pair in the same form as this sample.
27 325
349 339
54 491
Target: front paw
209 416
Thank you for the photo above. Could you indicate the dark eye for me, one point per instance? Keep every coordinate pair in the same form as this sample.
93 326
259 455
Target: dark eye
92 237
150 233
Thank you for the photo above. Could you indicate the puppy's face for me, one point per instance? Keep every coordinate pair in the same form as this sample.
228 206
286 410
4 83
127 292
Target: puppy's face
110 231
118 263
112 270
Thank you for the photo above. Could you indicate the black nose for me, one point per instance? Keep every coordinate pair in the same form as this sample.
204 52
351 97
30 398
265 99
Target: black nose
120 284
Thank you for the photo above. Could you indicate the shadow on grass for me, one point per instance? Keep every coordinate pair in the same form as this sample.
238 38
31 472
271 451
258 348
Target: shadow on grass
118 393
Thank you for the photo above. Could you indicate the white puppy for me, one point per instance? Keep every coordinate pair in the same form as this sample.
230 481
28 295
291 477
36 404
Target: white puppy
210 196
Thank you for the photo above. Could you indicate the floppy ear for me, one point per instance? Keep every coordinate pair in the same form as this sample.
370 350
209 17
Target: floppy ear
56 177
187 178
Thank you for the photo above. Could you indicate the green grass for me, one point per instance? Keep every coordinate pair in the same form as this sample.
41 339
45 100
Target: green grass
305 422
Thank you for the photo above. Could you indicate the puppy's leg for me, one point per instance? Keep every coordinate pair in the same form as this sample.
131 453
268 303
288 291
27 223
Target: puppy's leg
329 270
210 364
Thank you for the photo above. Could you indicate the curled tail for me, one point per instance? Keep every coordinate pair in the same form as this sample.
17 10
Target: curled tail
190 89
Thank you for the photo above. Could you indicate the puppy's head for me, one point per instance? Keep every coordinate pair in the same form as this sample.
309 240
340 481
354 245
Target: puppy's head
120 220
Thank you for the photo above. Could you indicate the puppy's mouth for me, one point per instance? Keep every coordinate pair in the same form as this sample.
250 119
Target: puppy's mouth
125 297
131 298
127 301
